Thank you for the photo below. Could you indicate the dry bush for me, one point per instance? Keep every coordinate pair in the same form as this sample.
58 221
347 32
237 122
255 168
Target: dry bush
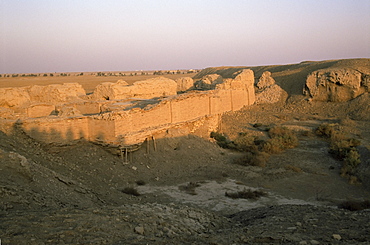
355 205
343 148
131 191
245 142
282 138
327 129
189 188
258 159
350 163
140 182
222 141
293 168
246 194
348 122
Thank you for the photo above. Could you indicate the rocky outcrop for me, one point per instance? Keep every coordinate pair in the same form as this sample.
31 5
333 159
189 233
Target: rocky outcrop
268 91
270 95
184 84
336 84
208 82
147 89
265 80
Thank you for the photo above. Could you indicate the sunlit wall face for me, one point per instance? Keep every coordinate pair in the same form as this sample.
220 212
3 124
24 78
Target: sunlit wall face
56 36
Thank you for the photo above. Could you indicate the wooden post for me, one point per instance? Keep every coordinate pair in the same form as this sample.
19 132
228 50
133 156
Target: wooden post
154 144
147 145
126 152
120 151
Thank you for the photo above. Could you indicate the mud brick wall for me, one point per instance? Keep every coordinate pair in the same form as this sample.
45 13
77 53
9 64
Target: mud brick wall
101 130
40 110
189 108
57 130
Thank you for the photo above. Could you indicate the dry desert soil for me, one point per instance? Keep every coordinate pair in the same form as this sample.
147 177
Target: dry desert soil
175 193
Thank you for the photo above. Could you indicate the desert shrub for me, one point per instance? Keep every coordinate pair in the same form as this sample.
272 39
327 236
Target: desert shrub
281 138
131 191
341 145
355 205
245 142
327 129
246 194
343 148
256 158
222 141
293 168
140 182
350 163
189 188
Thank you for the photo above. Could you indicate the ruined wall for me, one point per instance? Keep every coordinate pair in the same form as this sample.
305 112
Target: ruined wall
155 87
101 131
220 101
134 120
57 130
40 110
335 84
189 107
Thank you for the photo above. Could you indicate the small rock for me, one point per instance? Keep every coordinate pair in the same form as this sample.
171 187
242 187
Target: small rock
337 237
134 168
314 242
302 243
139 230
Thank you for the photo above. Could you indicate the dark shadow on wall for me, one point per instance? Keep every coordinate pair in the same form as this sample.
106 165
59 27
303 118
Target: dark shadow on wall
53 136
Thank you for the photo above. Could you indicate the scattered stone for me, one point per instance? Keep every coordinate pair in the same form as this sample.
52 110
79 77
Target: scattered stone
337 237
139 230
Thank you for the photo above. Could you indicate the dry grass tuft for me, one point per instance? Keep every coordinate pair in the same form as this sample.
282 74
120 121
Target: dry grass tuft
131 191
258 159
189 188
246 194
355 205
281 138
293 168
343 148
140 182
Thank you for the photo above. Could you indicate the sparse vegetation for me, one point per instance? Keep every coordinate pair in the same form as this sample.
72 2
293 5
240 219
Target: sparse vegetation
140 182
281 138
293 168
255 158
343 148
355 205
246 194
189 188
258 151
131 191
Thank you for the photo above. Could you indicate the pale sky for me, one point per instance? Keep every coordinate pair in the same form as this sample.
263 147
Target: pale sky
122 35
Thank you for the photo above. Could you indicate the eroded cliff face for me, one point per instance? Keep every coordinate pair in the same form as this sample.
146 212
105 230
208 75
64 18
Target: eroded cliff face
336 85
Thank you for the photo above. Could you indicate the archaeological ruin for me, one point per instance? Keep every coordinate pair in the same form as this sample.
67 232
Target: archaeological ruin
118 114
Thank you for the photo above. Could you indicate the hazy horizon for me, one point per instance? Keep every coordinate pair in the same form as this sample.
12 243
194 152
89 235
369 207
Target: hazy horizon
80 36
